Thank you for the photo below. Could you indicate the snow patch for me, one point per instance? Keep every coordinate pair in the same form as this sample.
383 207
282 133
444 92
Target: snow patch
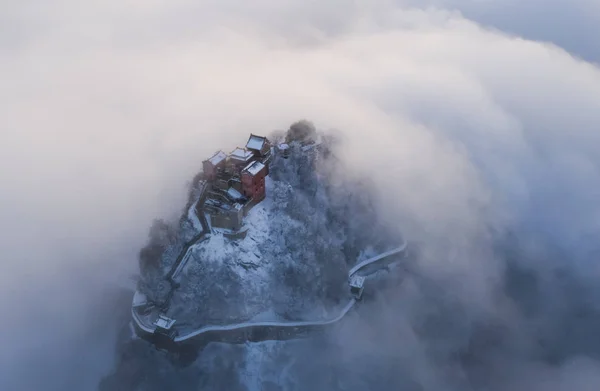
193 218
256 142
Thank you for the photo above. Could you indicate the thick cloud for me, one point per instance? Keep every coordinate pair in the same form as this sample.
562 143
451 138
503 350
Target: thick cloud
571 25
108 108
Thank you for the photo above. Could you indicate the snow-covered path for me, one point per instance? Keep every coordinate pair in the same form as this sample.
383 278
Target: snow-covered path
222 331
375 259
244 325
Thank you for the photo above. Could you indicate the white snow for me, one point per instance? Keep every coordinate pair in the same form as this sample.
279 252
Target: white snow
377 258
240 153
366 253
217 248
164 322
254 168
266 316
291 324
217 158
357 281
234 194
193 218
141 321
256 143
183 264
139 299
243 257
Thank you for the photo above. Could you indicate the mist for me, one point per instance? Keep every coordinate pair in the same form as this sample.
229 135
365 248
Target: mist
474 122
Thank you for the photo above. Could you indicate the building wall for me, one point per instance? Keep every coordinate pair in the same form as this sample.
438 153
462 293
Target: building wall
236 184
249 205
231 220
223 221
247 184
254 186
237 166
209 170
259 189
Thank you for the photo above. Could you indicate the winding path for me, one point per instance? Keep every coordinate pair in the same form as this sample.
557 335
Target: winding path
183 256
270 329
376 259
247 325
248 330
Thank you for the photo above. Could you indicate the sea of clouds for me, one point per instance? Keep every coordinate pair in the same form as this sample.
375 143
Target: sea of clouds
475 120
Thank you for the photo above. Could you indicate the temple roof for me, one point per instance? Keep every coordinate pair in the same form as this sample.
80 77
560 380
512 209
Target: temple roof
254 168
241 154
217 158
256 143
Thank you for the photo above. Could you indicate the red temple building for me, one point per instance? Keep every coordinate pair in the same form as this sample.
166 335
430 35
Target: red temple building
253 181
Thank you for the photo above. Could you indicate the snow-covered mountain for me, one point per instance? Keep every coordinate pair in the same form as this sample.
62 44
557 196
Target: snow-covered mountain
293 262
316 222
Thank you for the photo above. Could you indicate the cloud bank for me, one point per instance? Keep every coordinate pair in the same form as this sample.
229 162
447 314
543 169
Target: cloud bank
108 109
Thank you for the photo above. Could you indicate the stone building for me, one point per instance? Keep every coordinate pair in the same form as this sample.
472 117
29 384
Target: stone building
212 166
164 325
357 286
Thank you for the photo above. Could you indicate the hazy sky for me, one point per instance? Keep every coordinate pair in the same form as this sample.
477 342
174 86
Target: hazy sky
568 24
108 108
